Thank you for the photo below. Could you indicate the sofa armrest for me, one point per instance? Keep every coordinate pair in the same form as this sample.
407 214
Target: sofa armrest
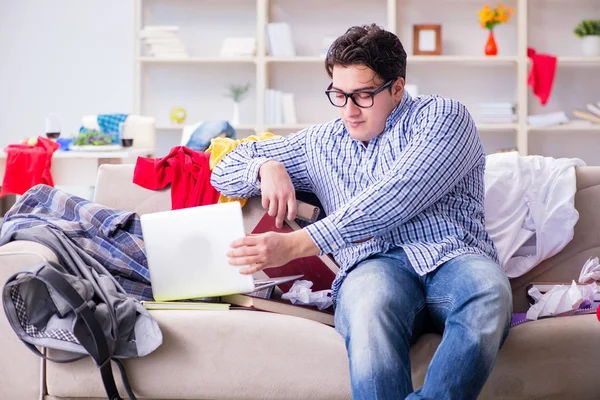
20 369
115 189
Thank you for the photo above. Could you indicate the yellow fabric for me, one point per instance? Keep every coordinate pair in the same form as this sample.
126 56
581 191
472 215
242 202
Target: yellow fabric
220 147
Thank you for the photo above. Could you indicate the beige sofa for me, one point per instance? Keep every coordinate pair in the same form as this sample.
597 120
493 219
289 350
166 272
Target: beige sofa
256 355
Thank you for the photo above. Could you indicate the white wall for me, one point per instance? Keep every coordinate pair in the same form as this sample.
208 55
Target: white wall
71 57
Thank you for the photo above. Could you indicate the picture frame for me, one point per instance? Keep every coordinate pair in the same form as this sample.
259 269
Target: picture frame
427 40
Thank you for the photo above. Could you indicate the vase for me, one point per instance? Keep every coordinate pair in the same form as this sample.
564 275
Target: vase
590 46
491 49
235 119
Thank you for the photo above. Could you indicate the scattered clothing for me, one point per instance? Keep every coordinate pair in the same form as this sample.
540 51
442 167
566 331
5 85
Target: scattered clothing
111 237
530 208
541 75
27 166
220 147
187 171
198 136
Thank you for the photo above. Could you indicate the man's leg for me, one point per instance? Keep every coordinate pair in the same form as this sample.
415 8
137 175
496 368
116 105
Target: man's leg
380 308
468 297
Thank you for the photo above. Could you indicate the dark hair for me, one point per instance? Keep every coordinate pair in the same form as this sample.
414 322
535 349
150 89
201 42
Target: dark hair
371 46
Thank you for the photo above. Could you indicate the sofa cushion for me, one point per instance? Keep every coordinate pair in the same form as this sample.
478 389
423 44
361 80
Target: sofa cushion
225 354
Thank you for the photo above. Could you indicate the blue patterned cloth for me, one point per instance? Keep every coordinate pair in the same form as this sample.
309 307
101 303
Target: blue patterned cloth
112 237
207 130
109 124
419 185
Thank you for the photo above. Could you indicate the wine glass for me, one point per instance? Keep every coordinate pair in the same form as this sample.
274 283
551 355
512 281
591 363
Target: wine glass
52 126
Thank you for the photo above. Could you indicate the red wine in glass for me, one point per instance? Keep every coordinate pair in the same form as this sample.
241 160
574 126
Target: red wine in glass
52 126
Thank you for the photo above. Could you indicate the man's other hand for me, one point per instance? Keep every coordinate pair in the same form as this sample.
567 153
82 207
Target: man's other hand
270 249
278 193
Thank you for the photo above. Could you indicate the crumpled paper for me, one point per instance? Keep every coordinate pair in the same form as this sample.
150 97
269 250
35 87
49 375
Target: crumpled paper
301 293
590 271
561 299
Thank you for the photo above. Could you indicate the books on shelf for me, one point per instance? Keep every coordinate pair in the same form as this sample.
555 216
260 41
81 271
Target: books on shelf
281 307
320 270
279 40
280 108
184 305
163 41
588 116
496 112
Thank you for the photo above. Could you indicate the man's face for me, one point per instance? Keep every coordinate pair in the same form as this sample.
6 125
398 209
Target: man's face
365 123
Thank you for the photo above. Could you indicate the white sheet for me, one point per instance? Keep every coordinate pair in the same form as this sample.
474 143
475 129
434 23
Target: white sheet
529 204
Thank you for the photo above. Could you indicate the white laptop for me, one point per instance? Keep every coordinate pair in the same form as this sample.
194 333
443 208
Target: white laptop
187 250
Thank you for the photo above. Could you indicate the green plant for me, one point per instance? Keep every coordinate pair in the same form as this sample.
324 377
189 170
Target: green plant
587 27
92 137
238 92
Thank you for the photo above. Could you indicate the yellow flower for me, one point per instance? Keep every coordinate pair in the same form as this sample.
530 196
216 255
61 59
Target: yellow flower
490 17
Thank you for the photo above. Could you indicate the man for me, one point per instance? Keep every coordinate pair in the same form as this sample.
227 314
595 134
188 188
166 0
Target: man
401 180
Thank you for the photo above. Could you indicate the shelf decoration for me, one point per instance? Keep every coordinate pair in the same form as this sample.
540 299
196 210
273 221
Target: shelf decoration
178 115
488 19
427 40
237 93
589 33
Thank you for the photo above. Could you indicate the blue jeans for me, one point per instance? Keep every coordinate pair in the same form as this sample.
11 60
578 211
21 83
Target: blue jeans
384 305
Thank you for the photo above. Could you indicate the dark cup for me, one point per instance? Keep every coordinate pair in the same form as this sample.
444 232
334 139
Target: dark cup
127 142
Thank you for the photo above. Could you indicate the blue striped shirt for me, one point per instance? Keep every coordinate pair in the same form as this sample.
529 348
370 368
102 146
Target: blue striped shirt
418 185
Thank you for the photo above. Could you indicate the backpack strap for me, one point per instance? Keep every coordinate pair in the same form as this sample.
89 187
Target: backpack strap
99 350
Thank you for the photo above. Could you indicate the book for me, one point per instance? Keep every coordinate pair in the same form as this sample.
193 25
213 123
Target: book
280 306
184 305
320 270
587 116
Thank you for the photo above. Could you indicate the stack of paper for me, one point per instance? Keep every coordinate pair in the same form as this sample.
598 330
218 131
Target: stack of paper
163 41
496 112
279 40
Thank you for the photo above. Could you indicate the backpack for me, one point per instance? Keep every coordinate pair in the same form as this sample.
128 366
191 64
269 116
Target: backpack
76 306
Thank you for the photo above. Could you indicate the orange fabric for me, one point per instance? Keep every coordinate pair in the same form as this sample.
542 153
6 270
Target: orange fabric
187 171
27 166
541 75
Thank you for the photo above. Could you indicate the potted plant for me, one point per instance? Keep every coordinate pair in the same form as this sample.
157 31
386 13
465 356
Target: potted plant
489 17
589 32
237 94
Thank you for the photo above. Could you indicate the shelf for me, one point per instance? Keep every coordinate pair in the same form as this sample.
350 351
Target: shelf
196 60
298 59
565 128
288 126
496 127
463 59
179 128
579 61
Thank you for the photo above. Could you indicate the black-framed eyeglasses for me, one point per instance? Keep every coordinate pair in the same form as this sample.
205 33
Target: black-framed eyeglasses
361 98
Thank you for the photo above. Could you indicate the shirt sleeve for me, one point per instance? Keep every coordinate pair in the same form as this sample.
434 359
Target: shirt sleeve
236 175
444 149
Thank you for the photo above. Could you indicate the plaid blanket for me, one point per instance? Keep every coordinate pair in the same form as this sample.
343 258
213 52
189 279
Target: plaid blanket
112 237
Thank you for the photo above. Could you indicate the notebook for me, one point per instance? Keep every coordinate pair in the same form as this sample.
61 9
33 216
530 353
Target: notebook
187 250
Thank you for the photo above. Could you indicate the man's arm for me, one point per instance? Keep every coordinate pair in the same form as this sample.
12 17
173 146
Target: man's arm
444 150
237 175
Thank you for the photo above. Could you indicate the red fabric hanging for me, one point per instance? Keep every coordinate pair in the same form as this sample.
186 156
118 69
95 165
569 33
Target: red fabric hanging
27 166
187 171
541 75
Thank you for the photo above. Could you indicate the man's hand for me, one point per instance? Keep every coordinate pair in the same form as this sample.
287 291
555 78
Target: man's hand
278 194
270 249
